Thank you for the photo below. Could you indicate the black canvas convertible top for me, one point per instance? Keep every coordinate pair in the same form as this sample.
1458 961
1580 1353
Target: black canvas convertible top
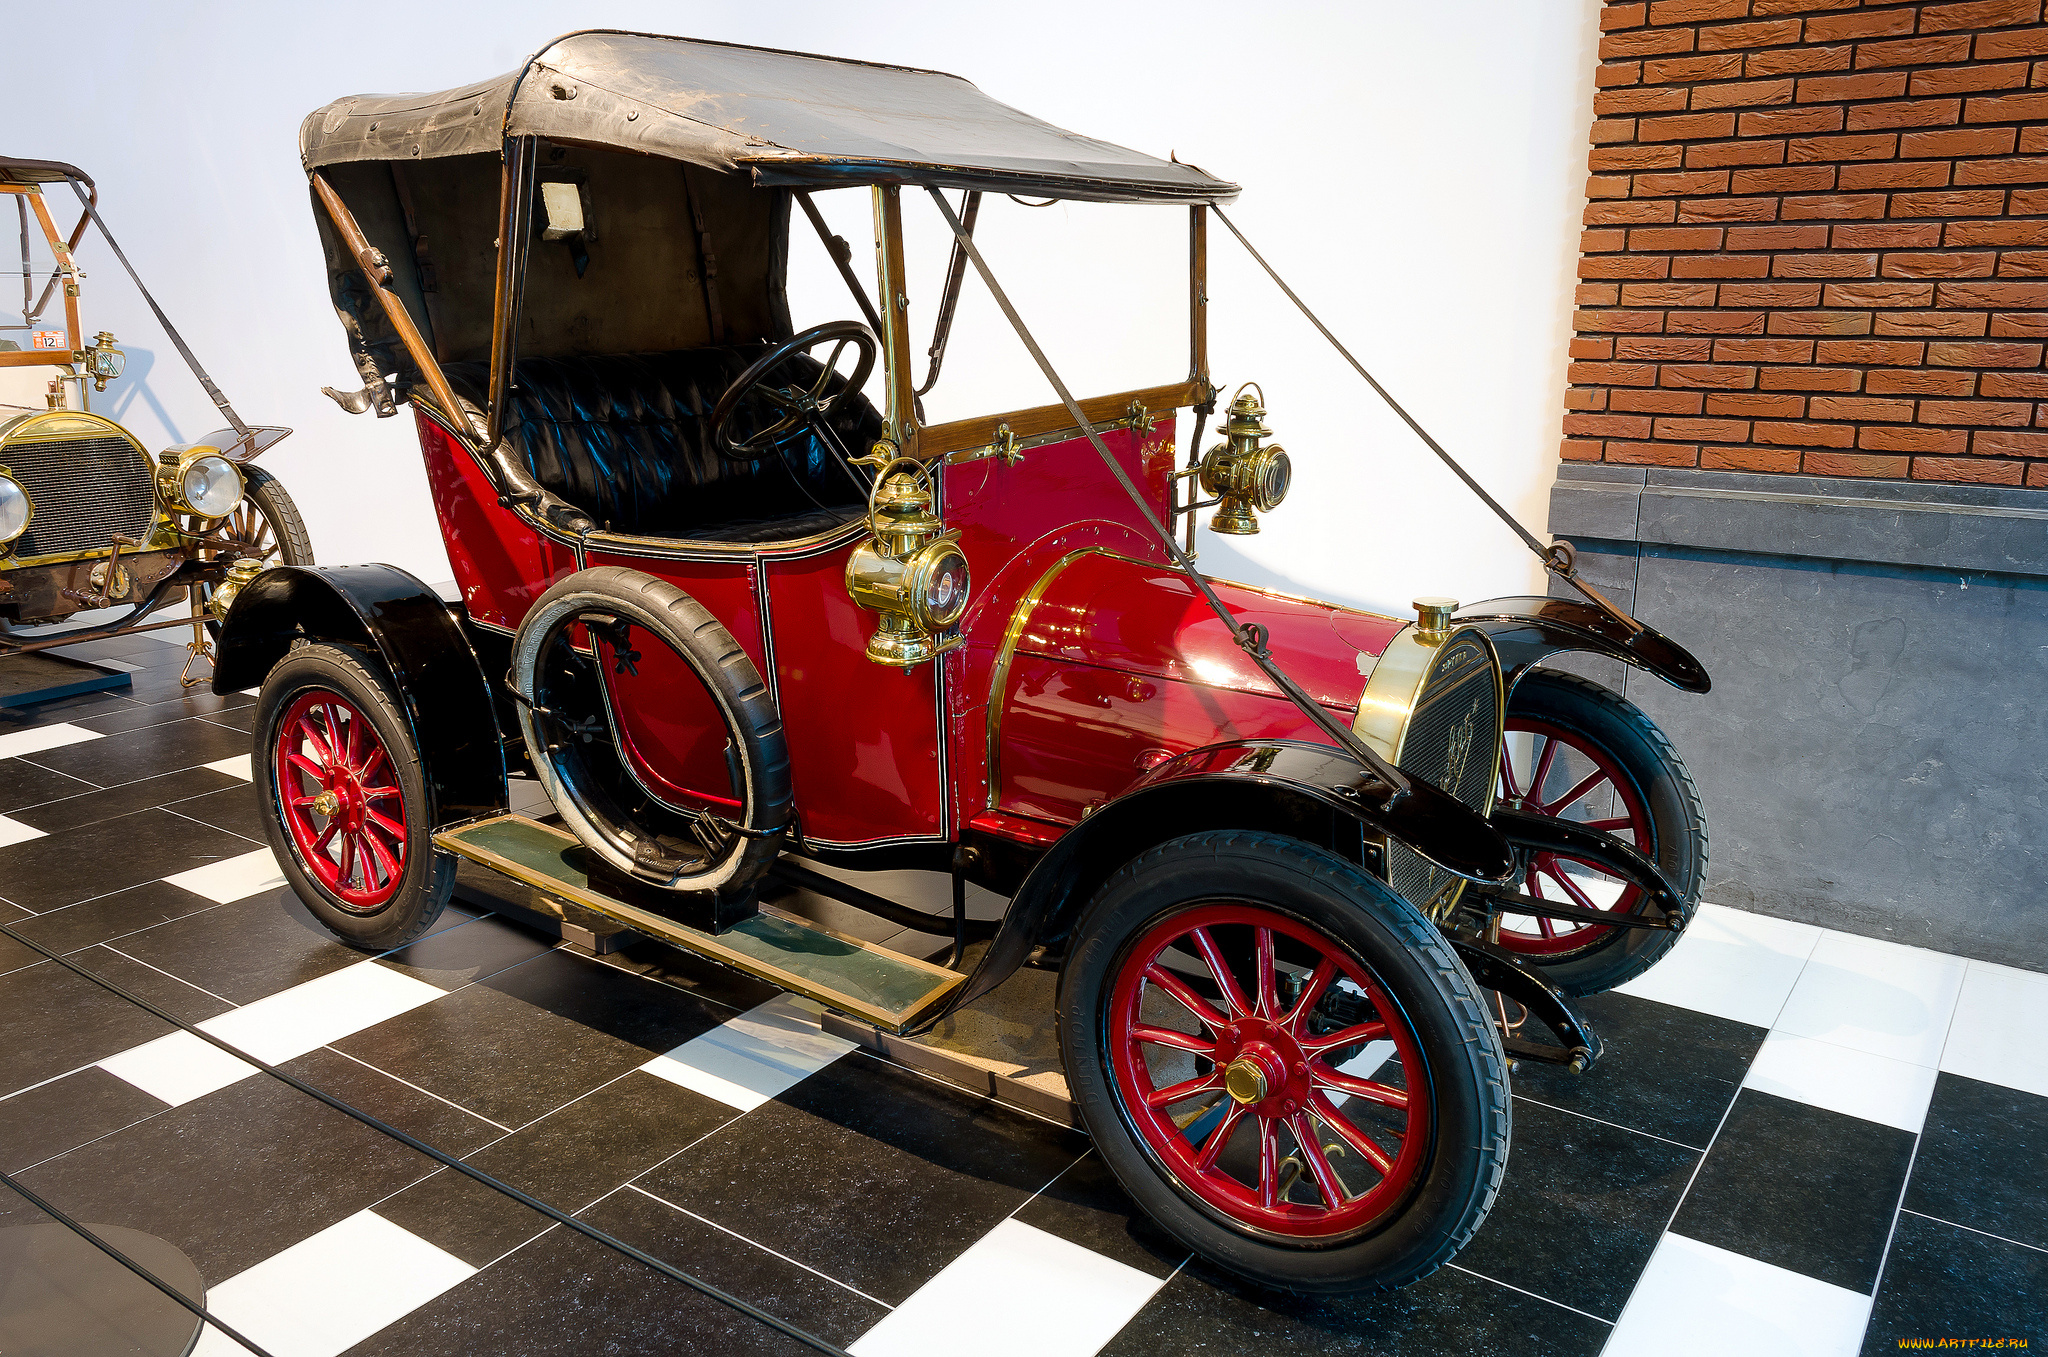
788 118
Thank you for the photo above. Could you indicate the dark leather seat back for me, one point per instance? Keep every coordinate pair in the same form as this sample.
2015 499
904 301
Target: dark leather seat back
627 439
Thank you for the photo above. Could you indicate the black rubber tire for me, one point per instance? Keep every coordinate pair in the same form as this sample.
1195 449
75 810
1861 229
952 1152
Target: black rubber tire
429 876
753 725
294 545
1461 1049
1678 822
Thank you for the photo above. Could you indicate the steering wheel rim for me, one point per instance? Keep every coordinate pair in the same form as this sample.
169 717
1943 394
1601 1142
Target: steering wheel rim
799 407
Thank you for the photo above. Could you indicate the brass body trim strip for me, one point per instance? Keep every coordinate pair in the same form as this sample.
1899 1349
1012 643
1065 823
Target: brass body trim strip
1020 616
966 435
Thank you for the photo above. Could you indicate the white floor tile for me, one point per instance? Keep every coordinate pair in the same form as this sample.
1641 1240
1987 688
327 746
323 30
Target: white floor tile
231 879
757 1055
1731 964
1085 1299
1854 1083
309 1016
1695 1300
1876 996
14 831
325 1294
177 1068
238 766
181 1067
1996 1035
17 743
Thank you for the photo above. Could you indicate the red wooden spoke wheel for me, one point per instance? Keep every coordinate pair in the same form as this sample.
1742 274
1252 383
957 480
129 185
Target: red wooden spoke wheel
339 797
1263 1124
1564 775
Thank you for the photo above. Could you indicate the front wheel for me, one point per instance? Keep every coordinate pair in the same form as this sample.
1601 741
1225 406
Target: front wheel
1284 1064
345 798
1577 751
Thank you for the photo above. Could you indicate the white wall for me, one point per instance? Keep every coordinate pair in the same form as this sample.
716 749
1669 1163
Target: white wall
1415 171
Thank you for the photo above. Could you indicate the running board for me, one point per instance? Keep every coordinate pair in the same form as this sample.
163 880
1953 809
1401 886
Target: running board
890 990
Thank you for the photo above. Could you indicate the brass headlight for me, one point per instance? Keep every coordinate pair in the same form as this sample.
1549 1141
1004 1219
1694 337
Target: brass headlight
911 572
197 480
1246 477
17 510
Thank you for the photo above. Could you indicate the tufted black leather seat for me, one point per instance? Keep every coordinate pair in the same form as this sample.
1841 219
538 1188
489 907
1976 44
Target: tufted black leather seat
627 439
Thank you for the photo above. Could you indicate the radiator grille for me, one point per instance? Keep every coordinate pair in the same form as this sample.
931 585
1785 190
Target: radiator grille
84 489
1453 741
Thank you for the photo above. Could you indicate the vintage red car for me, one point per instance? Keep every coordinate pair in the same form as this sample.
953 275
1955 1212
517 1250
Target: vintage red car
1313 878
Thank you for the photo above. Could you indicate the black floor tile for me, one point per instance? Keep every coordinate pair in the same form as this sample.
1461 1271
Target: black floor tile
1983 1160
656 1018
14 956
1580 1211
160 682
1664 1070
233 808
93 860
568 1296
26 784
79 808
199 702
114 647
1801 1188
914 1170
61 1116
72 709
167 992
1085 1206
681 970
241 717
497 1056
453 957
247 950
1945 1282
418 1114
53 1022
70 927
234 1177
567 1159
146 752
1203 1310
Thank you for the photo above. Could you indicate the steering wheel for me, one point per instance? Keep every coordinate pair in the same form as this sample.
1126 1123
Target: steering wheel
800 408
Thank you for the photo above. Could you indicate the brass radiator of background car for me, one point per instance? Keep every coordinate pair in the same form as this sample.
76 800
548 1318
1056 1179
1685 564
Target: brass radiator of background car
87 483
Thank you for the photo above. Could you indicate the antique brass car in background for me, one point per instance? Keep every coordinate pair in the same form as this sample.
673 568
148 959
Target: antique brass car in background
89 518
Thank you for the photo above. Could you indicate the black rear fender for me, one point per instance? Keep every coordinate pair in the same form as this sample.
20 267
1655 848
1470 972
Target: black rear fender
381 608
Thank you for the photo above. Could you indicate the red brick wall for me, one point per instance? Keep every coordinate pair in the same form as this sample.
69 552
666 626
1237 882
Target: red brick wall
1817 240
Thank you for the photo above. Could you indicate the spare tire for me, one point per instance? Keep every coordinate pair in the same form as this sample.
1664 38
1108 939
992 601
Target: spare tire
652 732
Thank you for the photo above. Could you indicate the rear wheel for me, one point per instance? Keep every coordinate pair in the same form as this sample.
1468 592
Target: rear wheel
1284 1064
345 798
1577 751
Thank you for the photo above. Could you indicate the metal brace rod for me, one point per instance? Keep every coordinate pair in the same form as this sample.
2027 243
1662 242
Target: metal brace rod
1558 557
176 339
1250 637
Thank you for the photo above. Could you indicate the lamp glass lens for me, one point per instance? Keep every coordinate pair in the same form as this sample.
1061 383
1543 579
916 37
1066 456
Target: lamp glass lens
13 509
211 486
945 591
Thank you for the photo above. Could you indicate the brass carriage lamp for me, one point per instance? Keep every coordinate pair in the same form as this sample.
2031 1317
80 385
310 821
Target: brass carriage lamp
104 362
911 572
1247 476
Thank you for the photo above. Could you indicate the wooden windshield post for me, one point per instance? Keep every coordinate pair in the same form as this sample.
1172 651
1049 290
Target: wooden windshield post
515 216
1198 296
377 273
900 417
61 252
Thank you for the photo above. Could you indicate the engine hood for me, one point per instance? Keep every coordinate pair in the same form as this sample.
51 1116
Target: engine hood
1118 666
1143 618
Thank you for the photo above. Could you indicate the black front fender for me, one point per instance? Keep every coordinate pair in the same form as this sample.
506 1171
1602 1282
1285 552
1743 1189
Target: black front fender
1312 792
1525 630
446 697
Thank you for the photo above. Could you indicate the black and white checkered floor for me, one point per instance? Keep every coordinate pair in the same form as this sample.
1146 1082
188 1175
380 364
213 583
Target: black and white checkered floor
1800 1141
